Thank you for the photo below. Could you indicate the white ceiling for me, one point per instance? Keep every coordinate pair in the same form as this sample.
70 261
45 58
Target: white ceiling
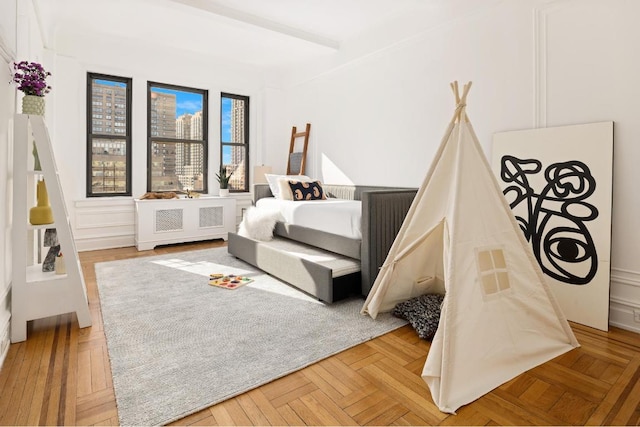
257 32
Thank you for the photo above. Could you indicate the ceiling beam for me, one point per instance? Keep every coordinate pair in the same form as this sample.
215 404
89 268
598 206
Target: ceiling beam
258 21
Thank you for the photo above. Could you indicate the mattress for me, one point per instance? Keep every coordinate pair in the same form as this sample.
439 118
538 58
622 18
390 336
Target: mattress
336 216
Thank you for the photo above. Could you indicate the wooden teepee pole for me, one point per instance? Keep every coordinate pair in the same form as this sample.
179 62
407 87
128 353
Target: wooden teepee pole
461 102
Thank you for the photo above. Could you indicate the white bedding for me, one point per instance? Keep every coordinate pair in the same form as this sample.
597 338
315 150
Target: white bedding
337 216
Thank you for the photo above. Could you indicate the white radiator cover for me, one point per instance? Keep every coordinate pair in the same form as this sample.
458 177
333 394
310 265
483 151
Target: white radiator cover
160 222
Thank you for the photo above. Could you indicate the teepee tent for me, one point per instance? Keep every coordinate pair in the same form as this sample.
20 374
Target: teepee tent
459 238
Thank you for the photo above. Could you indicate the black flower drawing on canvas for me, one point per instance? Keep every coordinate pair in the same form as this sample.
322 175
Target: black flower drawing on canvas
555 218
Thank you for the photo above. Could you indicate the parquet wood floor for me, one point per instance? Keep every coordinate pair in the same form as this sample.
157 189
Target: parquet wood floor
61 376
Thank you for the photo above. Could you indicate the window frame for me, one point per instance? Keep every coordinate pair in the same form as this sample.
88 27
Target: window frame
493 270
91 76
244 144
205 133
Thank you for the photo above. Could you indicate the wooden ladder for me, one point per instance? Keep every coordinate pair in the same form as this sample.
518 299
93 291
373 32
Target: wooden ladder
297 159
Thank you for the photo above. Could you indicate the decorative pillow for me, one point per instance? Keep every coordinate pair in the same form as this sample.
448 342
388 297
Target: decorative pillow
296 190
423 313
273 179
258 224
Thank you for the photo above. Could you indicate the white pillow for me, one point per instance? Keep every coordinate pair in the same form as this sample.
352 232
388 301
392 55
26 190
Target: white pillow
272 179
258 224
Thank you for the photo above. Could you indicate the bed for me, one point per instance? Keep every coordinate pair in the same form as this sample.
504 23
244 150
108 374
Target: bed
336 216
381 213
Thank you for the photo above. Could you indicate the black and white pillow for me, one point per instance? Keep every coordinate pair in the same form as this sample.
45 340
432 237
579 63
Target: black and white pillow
274 182
297 190
422 312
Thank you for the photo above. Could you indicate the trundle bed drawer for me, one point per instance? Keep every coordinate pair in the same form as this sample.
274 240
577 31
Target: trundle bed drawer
326 275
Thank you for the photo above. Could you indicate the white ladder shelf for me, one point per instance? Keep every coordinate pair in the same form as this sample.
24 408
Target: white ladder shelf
36 294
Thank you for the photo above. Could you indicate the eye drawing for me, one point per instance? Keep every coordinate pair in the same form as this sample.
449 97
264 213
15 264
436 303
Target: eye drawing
555 218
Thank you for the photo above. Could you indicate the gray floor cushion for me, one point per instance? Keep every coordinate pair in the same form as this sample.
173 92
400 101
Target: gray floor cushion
422 312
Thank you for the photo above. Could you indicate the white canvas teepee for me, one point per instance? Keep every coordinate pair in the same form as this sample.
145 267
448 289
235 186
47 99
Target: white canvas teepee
459 238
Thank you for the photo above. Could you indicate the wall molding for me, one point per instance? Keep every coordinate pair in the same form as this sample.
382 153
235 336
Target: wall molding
94 243
5 341
540 14
41 28
103 223
102 202
5 324
540 67
5 292
6 52
540 56
621 306
117 217
626 277
4 338
8 55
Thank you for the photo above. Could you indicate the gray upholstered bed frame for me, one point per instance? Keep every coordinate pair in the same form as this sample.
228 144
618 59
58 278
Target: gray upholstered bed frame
383 211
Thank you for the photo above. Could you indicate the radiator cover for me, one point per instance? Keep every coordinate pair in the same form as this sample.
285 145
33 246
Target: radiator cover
160 222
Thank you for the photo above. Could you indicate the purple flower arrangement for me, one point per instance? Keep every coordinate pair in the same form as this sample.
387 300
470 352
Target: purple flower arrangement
31 78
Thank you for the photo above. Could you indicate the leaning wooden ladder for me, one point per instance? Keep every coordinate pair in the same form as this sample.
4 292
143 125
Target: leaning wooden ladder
297 159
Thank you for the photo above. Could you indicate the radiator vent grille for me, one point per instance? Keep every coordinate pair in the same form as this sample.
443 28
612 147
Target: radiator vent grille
212 216
169 220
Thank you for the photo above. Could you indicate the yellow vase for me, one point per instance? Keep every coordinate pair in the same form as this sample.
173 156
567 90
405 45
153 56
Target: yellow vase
41 214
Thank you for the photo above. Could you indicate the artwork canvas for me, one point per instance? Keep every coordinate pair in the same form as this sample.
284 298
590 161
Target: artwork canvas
558 182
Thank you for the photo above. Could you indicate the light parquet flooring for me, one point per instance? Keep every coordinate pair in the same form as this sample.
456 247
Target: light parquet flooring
61 376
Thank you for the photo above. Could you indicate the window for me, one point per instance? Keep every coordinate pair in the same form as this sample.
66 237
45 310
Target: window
108 152
177 138
492 268
234 139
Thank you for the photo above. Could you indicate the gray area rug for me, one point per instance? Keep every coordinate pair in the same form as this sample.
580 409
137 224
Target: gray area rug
178 345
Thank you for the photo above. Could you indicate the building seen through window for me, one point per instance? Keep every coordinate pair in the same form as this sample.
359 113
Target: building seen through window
234 138
177 138
108 135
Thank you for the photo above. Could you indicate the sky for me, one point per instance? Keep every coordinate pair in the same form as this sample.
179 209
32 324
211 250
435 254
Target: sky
225 129
225 118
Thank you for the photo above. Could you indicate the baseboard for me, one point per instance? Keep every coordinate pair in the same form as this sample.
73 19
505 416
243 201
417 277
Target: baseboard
624 299
621 315
5 331
104 242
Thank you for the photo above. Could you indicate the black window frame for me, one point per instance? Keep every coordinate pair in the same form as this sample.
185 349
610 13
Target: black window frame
205 133
244 144
91 76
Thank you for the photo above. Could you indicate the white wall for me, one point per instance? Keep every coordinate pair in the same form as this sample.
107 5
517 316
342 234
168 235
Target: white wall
387 110
109 222
7 108
378 119
19 40
591 75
